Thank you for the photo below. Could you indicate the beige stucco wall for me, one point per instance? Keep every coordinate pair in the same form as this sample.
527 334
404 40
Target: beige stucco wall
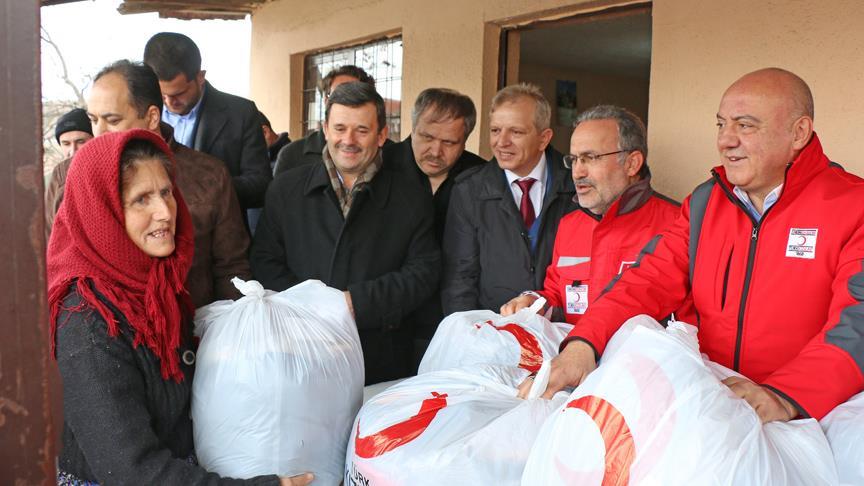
699 48
448 43
702 46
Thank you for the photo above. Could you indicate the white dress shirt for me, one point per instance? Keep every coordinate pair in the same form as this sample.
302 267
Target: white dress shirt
538 189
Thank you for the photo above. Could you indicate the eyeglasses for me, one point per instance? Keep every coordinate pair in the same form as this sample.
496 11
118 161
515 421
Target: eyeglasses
587 159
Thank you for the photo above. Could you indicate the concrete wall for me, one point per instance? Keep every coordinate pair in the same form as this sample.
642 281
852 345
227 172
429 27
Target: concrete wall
699 48
591 89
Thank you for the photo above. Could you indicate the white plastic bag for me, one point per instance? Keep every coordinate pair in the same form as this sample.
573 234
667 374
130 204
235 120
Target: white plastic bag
655 413
278 382
524 339
451 427
844 427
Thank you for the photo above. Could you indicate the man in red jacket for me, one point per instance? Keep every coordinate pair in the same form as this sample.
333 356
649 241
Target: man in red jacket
772 249
619 213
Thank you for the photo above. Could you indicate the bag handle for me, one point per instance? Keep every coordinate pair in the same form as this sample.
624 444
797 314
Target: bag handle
250 287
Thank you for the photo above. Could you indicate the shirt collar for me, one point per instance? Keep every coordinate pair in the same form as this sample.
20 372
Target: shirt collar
538 174
770 199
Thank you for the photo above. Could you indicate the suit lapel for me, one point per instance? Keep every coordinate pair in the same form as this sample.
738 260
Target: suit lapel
211 120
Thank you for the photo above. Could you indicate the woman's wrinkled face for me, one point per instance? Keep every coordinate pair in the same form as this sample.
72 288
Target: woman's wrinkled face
149 207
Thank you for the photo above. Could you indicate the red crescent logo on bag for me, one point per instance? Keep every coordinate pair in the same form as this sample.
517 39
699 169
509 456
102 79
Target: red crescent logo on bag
531 356
399 434
620 447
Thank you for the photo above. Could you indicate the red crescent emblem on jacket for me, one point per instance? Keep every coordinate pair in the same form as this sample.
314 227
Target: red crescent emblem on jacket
620 447
531 356
399 434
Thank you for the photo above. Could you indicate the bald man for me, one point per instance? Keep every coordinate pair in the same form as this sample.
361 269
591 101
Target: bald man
772 248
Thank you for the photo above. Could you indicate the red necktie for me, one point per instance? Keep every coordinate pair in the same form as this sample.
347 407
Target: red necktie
526 208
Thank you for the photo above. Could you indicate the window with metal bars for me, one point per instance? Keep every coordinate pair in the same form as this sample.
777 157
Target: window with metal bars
381 59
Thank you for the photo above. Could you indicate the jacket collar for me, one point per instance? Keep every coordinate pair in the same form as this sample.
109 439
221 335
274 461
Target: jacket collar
809 163
167 132
212 117
314 142
633 198
493 183
378 188
407 154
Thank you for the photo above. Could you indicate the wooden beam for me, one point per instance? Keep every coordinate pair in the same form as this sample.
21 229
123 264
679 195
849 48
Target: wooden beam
30 413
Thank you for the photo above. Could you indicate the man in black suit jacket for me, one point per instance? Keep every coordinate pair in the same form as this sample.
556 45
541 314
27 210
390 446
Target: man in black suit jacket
442 120
206 119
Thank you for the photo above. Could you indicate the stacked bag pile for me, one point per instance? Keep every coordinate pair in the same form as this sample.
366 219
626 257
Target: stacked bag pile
459 420
278 382
656 413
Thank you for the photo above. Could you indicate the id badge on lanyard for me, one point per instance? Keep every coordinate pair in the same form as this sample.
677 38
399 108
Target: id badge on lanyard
577 298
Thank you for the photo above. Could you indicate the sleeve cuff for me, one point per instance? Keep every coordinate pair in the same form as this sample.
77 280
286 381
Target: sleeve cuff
569 339
801 412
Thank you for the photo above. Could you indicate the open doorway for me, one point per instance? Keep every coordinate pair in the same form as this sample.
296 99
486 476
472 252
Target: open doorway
581 61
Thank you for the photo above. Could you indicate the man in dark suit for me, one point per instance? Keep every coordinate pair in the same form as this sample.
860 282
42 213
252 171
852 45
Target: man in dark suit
358 224
206 119
503 216
435 152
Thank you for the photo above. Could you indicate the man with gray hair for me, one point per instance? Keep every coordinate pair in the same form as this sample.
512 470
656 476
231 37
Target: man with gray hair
503 216
442 120
619 214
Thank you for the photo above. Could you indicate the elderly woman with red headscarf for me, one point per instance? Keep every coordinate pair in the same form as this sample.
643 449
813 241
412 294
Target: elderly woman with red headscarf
120 319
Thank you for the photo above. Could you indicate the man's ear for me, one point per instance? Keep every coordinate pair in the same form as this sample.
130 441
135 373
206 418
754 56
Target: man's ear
199 78
153 117
545 138
382 135
802 130
633 163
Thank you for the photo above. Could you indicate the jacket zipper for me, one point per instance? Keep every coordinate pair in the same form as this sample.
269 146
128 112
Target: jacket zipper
726 280
751 257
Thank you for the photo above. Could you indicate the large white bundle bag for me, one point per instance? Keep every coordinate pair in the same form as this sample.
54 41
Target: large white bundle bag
450 427
844 427
524 339
656 413
279 379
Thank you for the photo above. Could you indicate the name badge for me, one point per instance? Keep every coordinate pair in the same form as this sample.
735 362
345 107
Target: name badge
577 298
802 243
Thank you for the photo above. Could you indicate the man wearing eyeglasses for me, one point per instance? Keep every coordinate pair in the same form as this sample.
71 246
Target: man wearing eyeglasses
771 248
619 213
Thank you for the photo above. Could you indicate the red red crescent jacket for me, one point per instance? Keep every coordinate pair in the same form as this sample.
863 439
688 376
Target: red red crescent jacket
781 300
591 251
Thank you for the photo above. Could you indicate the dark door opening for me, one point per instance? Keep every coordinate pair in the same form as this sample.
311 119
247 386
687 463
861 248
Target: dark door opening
581 61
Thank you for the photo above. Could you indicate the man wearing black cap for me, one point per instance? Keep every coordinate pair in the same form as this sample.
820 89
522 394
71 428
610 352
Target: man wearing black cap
72 131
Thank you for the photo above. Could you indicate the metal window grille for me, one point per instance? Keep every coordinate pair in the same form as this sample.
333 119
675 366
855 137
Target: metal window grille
382 59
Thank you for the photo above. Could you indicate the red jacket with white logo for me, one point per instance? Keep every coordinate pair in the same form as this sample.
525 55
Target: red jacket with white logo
591 251
780 300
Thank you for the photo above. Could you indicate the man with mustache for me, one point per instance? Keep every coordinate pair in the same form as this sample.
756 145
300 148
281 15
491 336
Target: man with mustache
618 213
435 151
358 224
503 215
772 249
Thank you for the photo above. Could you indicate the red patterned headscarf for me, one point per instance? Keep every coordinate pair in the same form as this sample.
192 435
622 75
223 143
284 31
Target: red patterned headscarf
89 245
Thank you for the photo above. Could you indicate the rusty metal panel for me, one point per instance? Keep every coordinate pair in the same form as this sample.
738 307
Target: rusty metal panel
29 398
